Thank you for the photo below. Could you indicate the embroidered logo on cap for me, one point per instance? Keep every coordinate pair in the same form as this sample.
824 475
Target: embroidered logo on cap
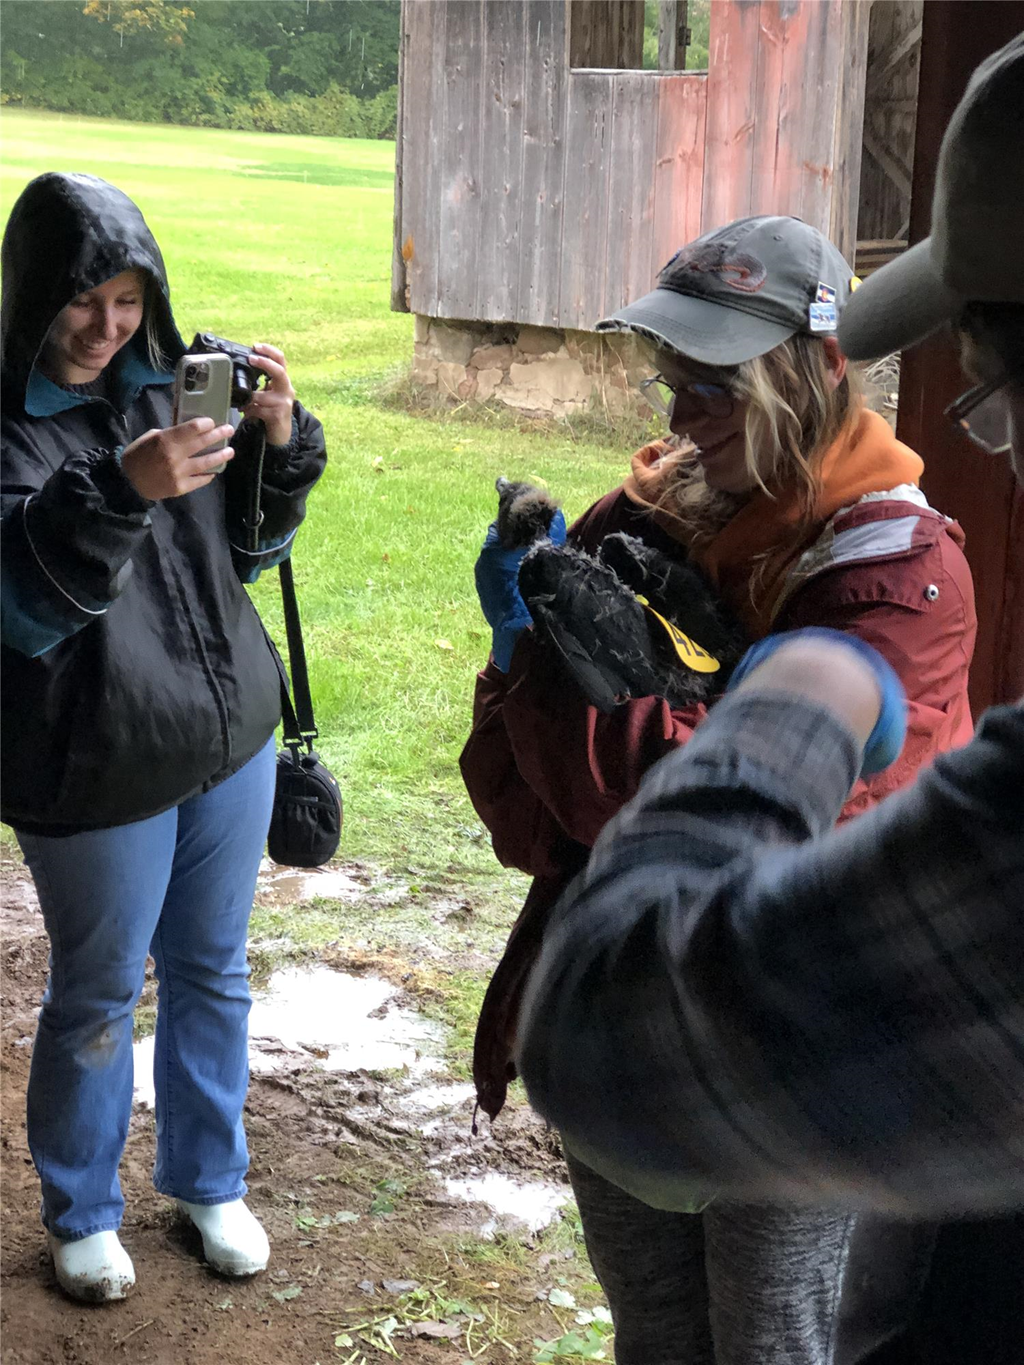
739 270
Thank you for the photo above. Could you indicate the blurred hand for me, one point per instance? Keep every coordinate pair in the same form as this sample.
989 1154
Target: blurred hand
272 404
839 672
166 463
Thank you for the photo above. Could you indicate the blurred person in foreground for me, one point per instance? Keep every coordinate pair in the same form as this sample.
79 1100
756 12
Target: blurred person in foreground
735 996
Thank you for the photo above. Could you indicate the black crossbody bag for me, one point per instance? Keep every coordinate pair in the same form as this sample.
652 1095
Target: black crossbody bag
305 826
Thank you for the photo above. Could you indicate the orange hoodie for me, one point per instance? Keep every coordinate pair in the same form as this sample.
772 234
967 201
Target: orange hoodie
749 558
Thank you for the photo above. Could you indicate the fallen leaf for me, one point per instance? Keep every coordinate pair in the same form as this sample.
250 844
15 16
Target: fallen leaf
444 644
400 1286
346 1216
561 1298
447 1331
283 1295
343 1339
225 1305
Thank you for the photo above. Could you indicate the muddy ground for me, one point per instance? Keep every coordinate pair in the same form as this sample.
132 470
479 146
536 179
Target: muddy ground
363 1176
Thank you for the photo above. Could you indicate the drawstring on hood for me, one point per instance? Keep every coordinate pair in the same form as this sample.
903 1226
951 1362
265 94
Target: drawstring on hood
67 234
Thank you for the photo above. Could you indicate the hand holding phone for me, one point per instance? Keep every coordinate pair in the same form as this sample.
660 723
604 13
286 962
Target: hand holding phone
175 460
202 388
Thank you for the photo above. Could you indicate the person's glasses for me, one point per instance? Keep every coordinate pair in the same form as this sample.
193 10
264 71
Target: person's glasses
713 399
981 414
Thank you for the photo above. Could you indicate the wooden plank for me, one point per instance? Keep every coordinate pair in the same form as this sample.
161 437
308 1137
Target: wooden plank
731 106
848 139
899 174
630 190
890 109
462 161
501 72
399 298
545 95
585 216
678 164
880 75
422 137
673 35
797 86
606 34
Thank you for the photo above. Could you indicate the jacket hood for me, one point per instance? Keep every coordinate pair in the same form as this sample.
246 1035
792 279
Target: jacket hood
68 233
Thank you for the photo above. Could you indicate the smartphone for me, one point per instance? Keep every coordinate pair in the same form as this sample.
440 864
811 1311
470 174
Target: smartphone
202 388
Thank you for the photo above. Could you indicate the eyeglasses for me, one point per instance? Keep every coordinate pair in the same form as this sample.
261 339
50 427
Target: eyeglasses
981 414
713 399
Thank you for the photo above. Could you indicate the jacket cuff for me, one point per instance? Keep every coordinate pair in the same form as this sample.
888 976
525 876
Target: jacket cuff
275 456
114 486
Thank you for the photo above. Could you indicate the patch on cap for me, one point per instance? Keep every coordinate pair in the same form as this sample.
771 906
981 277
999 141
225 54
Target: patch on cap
825 293
738 269
822 317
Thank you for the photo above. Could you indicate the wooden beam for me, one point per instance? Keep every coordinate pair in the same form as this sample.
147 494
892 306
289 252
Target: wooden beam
605 35
879 77
848 132
899 174
673 35
399 287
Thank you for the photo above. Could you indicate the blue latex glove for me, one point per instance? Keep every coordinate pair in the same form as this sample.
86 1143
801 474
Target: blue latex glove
886 740
497 586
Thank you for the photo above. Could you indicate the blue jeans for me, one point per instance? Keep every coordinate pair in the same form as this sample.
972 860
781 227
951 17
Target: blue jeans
180 886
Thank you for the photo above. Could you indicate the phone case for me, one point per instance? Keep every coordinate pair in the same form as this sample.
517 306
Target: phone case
202 388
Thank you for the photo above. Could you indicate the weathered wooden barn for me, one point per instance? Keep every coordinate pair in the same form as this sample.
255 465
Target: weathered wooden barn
543 180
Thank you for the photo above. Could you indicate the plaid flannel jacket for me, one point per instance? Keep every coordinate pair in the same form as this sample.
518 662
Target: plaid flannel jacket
735 996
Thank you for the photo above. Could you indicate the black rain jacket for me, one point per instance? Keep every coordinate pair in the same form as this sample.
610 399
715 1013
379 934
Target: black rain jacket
135 668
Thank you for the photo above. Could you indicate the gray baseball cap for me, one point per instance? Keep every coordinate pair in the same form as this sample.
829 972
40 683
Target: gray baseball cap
740 291
976 248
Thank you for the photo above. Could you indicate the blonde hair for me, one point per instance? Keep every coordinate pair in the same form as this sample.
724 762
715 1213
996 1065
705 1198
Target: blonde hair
794 414
151 300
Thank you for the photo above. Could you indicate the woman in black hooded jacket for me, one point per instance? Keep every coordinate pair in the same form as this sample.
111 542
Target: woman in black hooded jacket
140 700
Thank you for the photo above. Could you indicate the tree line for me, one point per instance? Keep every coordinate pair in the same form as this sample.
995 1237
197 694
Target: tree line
289 66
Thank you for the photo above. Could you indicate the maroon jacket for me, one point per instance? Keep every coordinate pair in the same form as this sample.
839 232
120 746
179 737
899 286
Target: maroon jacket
546 771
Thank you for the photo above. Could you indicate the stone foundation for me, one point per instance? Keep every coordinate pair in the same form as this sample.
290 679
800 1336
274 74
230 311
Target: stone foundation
538 371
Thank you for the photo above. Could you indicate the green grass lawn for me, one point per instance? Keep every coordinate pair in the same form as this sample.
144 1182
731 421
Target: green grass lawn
288 240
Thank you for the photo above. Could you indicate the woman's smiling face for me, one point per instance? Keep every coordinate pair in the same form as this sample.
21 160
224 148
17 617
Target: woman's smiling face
92 328
720 440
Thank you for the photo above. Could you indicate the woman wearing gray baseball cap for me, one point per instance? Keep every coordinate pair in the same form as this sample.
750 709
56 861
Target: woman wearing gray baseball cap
803 510
841 1016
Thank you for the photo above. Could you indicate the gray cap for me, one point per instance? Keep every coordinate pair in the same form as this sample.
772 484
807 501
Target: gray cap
740 291
976 248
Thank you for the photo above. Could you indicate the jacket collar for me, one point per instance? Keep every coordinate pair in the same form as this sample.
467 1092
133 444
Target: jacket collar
44 398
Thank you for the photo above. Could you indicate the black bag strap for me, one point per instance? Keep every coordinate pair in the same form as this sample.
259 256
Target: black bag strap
305 722
298 720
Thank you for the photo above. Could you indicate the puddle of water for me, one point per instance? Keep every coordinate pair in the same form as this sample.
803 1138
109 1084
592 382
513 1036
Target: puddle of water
320 1017
289 885
533 1205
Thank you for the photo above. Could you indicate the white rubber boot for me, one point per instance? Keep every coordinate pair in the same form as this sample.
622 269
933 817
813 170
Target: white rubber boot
234 1242
96 1269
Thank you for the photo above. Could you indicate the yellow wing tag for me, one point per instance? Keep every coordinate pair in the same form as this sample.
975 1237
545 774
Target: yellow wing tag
690 653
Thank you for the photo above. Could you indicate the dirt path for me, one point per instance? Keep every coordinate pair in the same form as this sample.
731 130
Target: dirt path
362 1179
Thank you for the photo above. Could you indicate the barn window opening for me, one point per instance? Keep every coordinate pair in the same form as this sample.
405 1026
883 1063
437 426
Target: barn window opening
639 35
